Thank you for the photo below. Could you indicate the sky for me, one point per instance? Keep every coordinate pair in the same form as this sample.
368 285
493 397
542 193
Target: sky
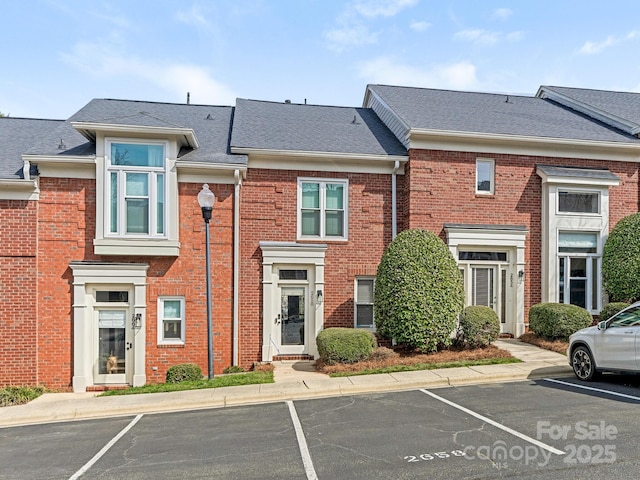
57 55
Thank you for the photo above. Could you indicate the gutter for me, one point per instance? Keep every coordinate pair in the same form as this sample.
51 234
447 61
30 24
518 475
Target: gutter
236 262
394 202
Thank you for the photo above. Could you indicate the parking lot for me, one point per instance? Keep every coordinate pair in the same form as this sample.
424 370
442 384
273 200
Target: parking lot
544 429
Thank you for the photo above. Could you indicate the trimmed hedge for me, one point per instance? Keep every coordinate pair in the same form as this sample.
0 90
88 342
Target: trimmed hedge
345 345
556 321
418 292
479 327
184 372
611 309
621 260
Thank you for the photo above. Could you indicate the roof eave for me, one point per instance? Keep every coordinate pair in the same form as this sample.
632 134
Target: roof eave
88 129
263 152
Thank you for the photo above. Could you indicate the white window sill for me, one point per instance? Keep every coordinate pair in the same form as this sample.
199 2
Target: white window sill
137 247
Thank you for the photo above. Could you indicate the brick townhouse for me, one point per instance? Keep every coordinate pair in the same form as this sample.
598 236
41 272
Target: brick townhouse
102 252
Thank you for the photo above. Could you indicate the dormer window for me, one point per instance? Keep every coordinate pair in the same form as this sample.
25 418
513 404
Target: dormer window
136 189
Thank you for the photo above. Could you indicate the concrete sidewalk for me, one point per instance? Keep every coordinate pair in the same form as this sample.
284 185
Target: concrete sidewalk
293 381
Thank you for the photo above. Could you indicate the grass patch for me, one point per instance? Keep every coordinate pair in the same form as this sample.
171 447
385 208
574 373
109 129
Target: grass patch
249 378
19 395
558 346
390 362
426 366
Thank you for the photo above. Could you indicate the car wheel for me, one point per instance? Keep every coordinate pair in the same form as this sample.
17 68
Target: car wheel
583 364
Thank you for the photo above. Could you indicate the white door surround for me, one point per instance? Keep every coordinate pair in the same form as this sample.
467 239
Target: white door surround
508 275
89 278
297 270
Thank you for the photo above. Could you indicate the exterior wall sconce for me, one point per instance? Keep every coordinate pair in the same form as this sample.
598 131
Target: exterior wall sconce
318 297
521 276
136 320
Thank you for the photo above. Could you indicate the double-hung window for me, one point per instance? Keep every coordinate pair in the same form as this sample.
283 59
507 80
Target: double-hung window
322 209
136 189
171 320
364 303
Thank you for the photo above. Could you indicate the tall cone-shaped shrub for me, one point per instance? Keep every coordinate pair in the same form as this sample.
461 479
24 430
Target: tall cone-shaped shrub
418 291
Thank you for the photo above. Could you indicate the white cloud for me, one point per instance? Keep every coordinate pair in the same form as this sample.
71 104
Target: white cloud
487 38
382 8
352 28
350 36
385 70
502 13
193 16
592 48
419 26
100 61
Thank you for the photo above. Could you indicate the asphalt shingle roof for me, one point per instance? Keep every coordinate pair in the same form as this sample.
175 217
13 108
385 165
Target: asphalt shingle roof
311 128
447 110
624 105
16 136
211 125
577 172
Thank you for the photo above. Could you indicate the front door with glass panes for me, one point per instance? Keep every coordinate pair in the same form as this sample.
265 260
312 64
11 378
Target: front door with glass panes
291 331
578 270
113 343
486 282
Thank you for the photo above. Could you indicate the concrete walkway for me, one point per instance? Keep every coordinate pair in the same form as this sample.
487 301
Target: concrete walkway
294 380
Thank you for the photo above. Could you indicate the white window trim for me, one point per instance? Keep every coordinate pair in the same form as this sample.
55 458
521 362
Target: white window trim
160 312
345 200
590 280
492 174
581 190
356 303
104 244
152 194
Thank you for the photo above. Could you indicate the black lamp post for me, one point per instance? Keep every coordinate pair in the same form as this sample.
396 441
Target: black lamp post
206 199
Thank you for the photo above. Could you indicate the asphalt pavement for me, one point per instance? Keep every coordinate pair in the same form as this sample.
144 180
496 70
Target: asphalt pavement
294 380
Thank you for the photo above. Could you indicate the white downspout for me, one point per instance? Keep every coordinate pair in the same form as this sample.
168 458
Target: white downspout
394 208
236 261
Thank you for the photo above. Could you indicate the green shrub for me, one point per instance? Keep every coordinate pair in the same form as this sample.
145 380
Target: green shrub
556 321
345 345
418 291
479 327
19 395
184 372
621 260
611 309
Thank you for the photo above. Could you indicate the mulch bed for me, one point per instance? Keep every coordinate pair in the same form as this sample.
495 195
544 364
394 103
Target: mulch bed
558 346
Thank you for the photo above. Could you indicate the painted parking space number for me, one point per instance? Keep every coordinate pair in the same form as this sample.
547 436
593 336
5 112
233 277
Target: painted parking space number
433 456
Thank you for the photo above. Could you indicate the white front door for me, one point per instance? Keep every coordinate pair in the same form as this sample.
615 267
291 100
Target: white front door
489 285
291 331
113 346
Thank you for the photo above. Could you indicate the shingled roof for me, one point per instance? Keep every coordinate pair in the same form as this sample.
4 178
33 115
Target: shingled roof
488 113
17 135
311 128
211 125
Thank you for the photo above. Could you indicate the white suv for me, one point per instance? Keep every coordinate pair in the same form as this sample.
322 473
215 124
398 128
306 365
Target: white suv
613 345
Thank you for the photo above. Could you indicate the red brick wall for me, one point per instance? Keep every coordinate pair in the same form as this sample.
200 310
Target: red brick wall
441 187
66 227
269 213
18 293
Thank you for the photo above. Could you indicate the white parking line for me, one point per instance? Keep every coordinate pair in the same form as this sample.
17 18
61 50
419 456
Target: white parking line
593 389
105 449
302 443
522 436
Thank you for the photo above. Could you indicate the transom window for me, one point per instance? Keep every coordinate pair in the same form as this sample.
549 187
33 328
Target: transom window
171 320
364 303
136 175
578 202
322 208
485 176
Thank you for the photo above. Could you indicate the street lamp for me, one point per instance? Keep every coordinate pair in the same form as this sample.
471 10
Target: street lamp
206 199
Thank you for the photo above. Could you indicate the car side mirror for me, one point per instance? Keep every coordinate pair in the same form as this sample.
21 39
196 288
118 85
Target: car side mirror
602 325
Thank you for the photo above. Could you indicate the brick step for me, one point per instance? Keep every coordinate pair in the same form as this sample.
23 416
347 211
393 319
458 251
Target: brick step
104 388
278 358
